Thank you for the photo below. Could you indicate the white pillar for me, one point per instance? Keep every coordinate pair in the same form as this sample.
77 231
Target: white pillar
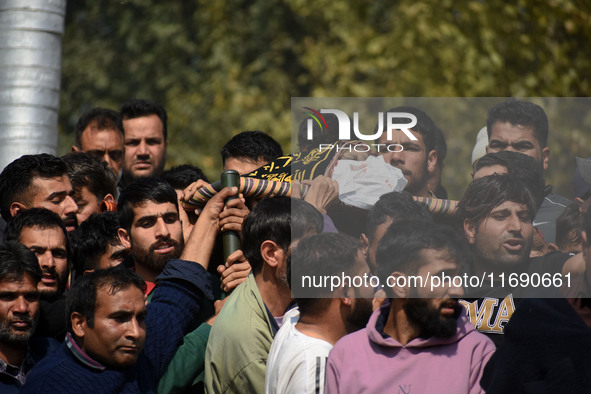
30 67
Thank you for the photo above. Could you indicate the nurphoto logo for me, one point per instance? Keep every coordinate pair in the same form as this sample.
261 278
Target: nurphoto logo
392 120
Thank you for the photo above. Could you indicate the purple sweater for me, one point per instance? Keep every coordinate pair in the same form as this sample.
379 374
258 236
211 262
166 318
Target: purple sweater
366 362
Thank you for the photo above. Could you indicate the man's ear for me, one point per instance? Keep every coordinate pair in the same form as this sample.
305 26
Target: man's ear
124 237
16 208
552 247
79 324
545 157
399 291
75 148
109 197
346 301
271 253
432 161
470 231
364 244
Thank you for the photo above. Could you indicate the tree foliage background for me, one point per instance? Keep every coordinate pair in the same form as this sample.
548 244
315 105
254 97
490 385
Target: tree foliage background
220 67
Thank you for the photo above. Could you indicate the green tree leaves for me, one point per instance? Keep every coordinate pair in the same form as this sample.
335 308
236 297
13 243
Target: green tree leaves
225 66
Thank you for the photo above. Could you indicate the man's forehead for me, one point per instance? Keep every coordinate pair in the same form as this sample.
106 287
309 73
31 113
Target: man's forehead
151 208
506 131
92 137
49 186
510 205
399 137
110 300
149 126
33 235
13 284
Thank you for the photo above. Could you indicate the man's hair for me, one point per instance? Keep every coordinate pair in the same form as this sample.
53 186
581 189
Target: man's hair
272 220
88 171
400 248
143 190
484 194
16 179
521 113
305 219
137 108
440 145
326 254
99 118
16 261
92 239
395 206
252 145
429 131
523 167
588 225
569 226
36 217
319 134
182 176
83 293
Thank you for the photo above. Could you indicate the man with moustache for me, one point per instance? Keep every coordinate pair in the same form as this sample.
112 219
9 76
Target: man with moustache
545 348
145 137
497 213
150 226
37 181
99 133
19 309
417 159
116 342
420 341
43 232
298 355
521 126
241 337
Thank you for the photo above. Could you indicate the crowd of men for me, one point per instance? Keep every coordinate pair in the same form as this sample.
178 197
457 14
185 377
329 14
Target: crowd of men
108 284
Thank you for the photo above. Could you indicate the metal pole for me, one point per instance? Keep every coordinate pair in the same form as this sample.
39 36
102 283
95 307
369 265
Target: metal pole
30 67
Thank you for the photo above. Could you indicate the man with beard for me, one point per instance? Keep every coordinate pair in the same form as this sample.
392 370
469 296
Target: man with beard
150 226
145 137
19 307
99 133
521 126
241 337
43 232
420 341
497 213
548 339
37 181
297 358
417 159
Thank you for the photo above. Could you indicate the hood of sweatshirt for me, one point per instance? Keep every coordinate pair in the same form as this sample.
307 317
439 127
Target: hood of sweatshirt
380 316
